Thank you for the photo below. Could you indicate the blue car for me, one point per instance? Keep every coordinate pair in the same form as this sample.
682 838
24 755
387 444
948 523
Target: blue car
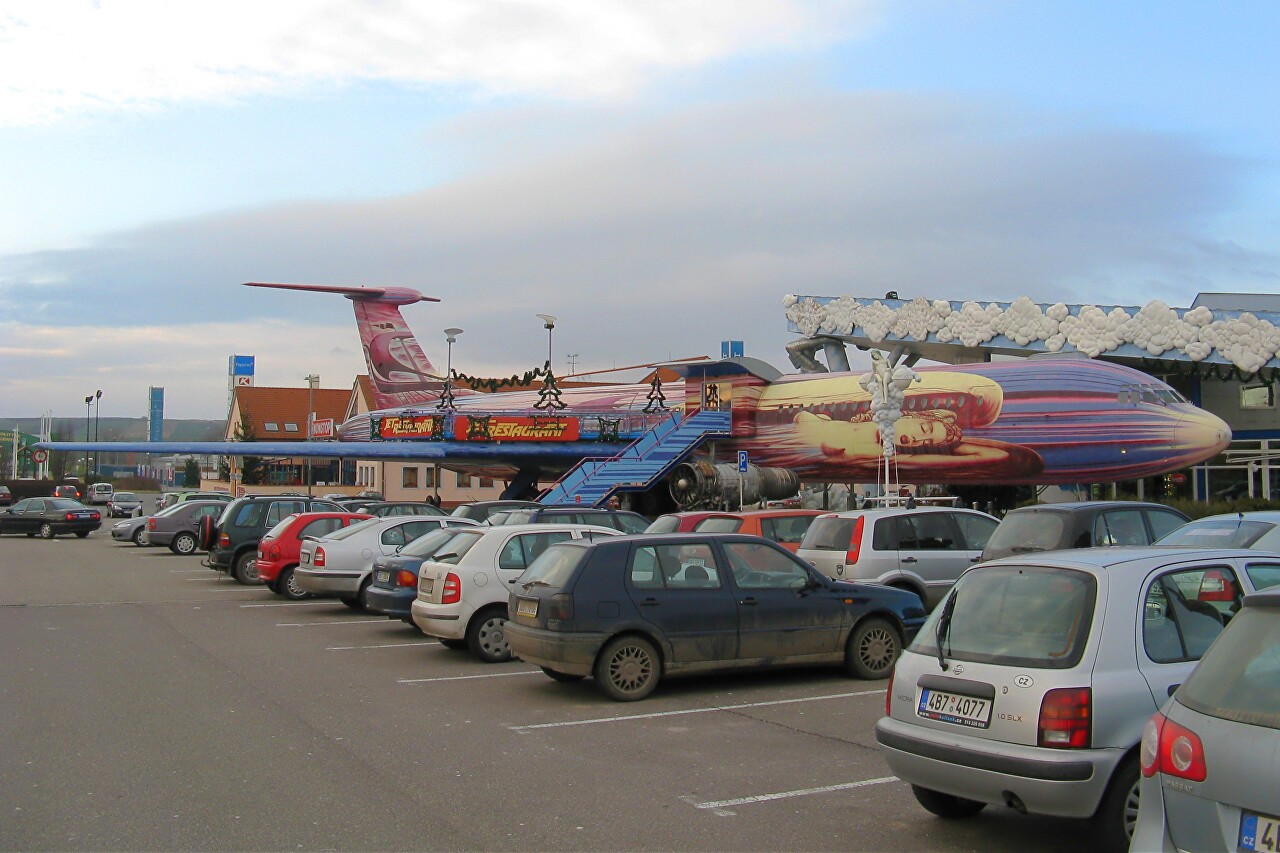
632 610
395 578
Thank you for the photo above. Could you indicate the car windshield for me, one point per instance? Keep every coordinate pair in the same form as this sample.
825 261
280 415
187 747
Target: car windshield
1021 532
428 544
126 496
718 524
553 567
64 503
458 547
1031 616
1218 533
1239 677
274 533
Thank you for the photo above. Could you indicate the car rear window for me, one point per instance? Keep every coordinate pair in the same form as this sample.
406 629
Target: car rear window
1218 533
425 546
458 547
554 566
717 524
1024 532
1239 677
829 534
664 524
1032 616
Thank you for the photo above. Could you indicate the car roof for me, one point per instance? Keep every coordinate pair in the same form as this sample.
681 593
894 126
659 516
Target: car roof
902 510
1256 515
1065 506
1100 560
541 528
776 512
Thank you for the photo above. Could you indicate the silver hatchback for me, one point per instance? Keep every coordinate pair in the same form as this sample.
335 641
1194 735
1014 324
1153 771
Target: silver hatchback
922 550
1030 685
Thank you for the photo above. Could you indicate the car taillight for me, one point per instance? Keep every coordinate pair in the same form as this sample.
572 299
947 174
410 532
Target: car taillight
1173 750
317 559
560 606
271 552
404 577
452 589
71 516
1216 585
151 524
224 541
855 543
888 694
1065 718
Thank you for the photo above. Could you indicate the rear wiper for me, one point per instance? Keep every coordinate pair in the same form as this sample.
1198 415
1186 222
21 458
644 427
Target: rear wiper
534 582
944 626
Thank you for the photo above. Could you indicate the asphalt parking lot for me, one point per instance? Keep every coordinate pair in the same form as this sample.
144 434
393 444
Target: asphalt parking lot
149 703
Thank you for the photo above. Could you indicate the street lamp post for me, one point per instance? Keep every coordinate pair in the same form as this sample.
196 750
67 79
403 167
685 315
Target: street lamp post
313 379
446 396
550 323
97 410
88 402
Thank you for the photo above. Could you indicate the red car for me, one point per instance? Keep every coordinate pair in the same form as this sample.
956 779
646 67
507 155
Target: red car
784 526
278 549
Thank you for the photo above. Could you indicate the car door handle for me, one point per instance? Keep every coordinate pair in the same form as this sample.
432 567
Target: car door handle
1173 688
649 602
749 602
909 559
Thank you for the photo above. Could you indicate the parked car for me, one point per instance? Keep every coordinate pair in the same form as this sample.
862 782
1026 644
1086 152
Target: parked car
1080 524
463 589
99 493
683 522
178 526
387 508
232 541
395 577
49 517
278 550
632 611
1256 530
481 510
131 530
67 491
167 499
341 563
1209 755
618 519
784 526
124 505
6 496
1031 684
922 550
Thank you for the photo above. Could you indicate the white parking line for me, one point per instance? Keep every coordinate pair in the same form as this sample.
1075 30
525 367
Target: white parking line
467 677
783 795
692 711
333 622
381 646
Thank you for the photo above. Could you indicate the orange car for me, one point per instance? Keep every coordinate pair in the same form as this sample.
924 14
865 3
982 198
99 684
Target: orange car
784 526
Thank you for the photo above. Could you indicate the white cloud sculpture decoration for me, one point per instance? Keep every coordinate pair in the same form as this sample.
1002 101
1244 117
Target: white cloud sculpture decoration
1244 340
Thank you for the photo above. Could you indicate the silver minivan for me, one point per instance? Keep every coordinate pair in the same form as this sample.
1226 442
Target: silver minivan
1030 685
922 549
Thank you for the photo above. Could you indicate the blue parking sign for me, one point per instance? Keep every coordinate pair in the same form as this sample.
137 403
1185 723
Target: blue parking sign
742 461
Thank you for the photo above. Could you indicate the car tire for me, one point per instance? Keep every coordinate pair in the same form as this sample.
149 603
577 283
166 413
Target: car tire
456 645
628 668
486 637
245 569
287 585
46 531
561 676
137 537
872 650
184 543
1117 815
946 805
351 601
81 534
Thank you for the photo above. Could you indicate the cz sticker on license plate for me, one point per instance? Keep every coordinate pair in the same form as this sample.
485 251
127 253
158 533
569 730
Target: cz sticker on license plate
1259 832
954 708
527 607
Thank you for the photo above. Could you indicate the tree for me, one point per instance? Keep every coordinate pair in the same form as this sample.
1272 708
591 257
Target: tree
252 471
191 474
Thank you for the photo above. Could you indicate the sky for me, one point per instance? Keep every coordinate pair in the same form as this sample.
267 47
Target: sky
656 174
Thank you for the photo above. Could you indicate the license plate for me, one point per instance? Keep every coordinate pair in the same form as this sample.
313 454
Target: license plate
1259 832
382 577
954 708
425 585
527 607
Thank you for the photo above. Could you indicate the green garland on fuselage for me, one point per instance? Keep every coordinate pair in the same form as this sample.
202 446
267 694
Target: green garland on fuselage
480 383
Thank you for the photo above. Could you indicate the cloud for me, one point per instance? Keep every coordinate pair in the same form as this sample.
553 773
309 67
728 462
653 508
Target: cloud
660 237
65 57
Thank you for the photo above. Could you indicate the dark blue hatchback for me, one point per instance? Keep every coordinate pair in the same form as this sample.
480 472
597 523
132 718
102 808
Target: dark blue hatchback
395 578
632 610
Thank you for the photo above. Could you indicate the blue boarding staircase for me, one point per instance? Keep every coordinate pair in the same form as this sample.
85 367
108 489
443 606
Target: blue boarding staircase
594 480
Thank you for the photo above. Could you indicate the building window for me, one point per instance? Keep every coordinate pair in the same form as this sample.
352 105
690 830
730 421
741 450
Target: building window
429 478
271 426
409 477
486 482
1258 396
288 427
464 480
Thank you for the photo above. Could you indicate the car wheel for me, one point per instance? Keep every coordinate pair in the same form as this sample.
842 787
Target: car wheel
81 534
945 805
246 569
46 531
628 669
457 645
184 543
287 585
138 536
561 676
1118 814
486 637
351 601
872 650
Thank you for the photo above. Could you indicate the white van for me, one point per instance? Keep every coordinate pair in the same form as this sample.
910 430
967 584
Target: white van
100 493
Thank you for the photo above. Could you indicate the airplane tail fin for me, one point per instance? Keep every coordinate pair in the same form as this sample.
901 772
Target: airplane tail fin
399 370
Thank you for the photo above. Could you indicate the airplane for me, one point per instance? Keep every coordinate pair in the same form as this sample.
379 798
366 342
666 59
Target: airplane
1039 420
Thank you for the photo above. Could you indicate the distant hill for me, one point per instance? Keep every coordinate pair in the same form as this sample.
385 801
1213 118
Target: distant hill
121 429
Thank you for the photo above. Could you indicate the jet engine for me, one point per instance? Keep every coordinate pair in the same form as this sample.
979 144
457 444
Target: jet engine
701 485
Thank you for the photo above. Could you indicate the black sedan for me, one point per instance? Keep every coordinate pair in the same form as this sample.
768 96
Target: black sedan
631 610
49 517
